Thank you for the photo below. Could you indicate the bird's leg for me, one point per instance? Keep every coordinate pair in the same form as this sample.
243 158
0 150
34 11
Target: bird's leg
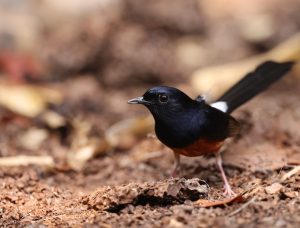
228 190
176 165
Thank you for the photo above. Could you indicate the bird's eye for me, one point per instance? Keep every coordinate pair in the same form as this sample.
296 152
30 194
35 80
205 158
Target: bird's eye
163 98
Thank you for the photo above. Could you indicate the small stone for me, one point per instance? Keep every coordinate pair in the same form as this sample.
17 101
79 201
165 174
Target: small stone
273 188
175 223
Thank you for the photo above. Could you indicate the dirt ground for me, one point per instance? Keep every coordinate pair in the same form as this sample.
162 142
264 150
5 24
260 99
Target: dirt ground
77 155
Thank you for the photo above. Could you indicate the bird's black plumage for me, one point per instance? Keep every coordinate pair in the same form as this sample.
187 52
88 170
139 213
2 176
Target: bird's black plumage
193 127
180 120
254 83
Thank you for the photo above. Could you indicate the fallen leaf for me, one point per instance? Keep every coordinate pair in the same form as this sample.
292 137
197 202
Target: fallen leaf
33 138
83 146
125 131
223 202
123 135
27 100
77 158
53 119
220 78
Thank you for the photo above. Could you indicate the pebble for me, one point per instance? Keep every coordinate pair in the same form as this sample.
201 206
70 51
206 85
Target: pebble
273 188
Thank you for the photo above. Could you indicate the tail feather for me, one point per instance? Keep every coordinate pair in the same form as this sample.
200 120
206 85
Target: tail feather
254 83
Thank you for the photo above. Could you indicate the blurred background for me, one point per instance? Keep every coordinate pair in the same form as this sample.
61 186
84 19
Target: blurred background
135 42
68 67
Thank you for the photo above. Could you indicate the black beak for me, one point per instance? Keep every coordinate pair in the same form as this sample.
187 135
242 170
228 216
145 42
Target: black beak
137 100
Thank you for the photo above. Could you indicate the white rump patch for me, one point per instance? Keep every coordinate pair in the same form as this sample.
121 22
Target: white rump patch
221 105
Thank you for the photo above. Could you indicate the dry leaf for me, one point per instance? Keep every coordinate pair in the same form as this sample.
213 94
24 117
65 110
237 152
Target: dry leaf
214 203
53 119
84 147
217 79
123 135
27 100
125 131
33 138
77 158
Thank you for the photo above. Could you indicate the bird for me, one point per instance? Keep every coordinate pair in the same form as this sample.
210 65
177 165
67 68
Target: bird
193 127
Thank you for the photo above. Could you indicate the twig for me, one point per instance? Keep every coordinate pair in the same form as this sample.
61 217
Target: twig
23 160
242 207
291 173
152 155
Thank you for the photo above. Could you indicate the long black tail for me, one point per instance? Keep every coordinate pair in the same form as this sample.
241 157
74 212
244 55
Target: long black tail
254 83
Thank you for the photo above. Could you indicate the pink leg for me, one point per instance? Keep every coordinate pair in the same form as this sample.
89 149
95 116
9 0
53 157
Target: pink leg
228 190
176 165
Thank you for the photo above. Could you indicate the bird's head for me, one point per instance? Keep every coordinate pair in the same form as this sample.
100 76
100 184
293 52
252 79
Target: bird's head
164 101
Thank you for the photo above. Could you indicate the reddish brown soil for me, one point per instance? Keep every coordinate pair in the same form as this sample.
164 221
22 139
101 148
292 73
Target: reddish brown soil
100 58
133 195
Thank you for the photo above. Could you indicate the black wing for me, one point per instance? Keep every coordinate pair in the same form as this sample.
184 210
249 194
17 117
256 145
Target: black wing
254 83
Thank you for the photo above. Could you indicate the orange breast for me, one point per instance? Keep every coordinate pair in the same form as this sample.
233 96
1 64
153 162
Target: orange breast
200 147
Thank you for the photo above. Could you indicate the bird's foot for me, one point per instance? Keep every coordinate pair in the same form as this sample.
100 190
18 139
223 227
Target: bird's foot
228 191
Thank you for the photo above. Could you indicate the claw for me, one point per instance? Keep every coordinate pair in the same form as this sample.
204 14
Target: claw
228 191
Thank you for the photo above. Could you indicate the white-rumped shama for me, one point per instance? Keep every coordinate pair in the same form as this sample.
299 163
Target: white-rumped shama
194 128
